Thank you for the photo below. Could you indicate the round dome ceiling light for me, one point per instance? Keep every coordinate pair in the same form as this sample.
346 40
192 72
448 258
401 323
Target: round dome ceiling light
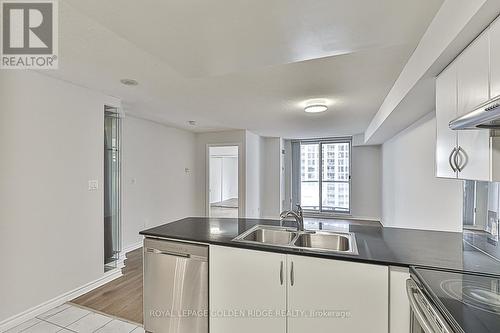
129 82
316 108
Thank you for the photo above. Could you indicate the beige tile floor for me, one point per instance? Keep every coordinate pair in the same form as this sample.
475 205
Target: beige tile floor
72 319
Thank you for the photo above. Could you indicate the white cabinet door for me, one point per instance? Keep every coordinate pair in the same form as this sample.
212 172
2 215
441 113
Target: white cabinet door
494 35
473 75
473 89
355 296
398 300
476 154
446 110
242 283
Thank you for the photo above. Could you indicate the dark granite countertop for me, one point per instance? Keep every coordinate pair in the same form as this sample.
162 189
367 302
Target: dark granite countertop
376 244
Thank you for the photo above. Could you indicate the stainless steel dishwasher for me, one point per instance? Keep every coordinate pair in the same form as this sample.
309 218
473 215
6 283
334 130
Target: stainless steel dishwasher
175 287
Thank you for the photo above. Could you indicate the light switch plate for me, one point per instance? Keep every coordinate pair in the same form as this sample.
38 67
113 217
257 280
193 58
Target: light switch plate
93 185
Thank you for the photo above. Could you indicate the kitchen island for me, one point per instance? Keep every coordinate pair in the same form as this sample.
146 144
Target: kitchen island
247 284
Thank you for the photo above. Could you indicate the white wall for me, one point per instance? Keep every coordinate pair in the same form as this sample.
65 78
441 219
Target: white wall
51 226
156 187
253 175
366 182
229 151
271 177
412 196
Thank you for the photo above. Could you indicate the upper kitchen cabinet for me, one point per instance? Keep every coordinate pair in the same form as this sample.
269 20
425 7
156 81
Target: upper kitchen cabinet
494 35
446 111
463 86
473 156
473 75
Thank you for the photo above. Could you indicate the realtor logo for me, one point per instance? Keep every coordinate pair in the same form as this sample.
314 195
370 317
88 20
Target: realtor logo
29 34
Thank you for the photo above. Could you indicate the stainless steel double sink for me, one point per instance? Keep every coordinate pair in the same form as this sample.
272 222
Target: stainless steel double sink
329 241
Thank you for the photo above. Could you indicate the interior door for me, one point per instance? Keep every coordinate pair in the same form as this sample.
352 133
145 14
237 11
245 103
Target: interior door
247 291
473 89
328 296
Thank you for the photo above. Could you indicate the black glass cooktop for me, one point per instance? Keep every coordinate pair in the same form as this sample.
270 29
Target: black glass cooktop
469 302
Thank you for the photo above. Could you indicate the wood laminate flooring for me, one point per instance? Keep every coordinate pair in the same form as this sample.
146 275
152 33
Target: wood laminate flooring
121 297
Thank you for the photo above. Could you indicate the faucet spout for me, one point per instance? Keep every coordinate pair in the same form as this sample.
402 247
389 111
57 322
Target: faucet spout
297 215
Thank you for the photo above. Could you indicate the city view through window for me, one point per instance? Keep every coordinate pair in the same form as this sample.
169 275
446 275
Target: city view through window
328 191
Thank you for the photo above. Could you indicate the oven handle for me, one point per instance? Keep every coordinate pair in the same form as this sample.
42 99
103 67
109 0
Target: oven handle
411 290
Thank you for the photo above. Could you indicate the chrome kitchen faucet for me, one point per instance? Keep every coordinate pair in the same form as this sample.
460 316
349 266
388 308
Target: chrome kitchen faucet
298 215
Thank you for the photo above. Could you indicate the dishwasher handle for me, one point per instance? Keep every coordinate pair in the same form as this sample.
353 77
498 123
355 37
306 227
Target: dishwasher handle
169 253
175 249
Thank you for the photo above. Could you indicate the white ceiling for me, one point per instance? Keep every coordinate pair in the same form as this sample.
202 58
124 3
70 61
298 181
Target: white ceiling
236 64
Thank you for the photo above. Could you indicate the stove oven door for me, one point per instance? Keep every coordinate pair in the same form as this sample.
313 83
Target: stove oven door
424 317
415 326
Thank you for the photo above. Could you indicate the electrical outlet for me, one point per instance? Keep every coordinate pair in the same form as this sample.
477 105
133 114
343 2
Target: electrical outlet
93 185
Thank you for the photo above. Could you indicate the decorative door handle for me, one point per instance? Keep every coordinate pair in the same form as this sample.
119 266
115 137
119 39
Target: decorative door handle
462 163
452 158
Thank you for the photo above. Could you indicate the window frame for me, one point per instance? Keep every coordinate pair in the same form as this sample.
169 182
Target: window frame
298 180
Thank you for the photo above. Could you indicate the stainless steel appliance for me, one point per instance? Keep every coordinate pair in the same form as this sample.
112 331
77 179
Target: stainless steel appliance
425 318
485 116
445 301
175 287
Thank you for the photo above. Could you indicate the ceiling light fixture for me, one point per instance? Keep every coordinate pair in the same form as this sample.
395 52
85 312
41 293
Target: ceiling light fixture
129 82
316 108
192 122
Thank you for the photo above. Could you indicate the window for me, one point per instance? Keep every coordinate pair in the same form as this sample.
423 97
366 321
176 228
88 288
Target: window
323 177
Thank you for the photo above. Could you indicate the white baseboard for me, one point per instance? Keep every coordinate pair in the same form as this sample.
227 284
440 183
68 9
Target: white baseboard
61 299
120 263
129 248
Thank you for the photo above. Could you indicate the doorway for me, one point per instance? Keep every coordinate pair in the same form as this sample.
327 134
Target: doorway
223 181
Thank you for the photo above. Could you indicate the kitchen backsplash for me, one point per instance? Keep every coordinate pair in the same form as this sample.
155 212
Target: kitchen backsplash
481 216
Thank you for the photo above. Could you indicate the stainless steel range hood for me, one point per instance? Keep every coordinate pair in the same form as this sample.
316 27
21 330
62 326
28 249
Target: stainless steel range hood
485 116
